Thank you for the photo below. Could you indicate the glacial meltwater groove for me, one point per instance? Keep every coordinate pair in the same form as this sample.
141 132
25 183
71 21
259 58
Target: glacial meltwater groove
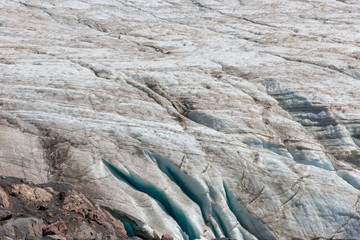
214 209
251 223
167 204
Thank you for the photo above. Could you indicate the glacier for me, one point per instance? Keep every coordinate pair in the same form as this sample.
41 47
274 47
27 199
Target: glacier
200 119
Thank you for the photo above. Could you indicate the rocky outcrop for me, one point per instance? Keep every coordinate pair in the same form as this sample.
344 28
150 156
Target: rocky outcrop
199 119
52 211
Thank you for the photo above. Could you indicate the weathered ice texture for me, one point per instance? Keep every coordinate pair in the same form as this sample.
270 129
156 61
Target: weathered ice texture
194 118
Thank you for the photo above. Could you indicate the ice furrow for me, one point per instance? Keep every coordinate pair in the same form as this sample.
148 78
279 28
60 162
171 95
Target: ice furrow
167 204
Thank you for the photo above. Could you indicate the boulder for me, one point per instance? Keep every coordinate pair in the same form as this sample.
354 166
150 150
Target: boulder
53 211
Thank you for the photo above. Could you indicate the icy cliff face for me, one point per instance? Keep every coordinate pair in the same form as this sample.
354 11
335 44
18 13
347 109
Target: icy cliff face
196 118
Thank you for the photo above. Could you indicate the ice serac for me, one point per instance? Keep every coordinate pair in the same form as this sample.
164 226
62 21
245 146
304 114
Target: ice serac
198 119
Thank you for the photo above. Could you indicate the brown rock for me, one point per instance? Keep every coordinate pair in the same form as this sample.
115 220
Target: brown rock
4 199
74 202
167 237
85 231
223 239
37 211
33 194
78 203
51 190
114 223
56 228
